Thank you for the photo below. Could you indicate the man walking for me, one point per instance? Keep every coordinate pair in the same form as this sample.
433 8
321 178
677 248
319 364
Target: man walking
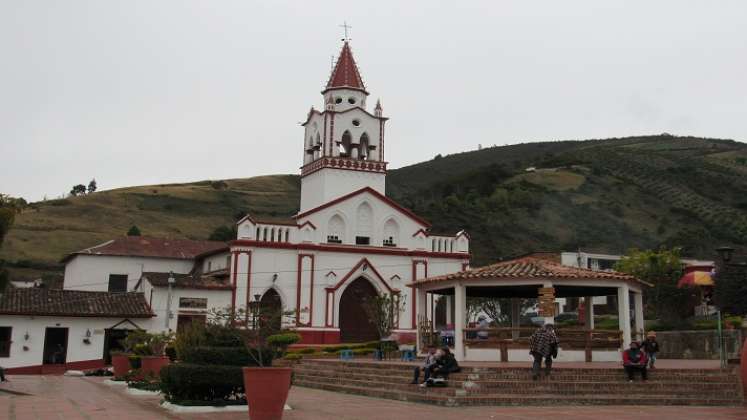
543 344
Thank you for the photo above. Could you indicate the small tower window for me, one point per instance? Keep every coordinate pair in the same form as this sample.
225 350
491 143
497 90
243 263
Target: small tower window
338 100
357 123
351 100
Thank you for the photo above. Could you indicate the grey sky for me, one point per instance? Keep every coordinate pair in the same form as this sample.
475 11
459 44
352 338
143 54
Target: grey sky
145 92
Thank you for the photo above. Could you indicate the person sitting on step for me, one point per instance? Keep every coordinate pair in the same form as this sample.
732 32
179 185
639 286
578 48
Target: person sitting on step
650 346
430 360
634 360
2 375
445 364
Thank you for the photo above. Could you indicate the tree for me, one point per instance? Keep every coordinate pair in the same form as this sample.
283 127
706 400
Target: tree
92 186
77 190
134 231
662 268
730 293
382 311
7 216
223 233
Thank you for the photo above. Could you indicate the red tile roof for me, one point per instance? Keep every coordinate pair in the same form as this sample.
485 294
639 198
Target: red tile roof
345 74
143 246
529 268
217 280
51 302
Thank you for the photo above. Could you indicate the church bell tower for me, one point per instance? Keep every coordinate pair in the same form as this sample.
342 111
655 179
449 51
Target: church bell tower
344 143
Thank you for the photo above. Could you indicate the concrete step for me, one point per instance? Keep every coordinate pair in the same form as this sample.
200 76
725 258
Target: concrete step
514 399
493 382
561 374
528 387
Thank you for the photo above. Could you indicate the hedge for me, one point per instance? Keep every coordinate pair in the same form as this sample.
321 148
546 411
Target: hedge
186 383
229 356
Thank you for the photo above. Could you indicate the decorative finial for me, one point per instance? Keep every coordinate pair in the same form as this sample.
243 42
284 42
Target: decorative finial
346 27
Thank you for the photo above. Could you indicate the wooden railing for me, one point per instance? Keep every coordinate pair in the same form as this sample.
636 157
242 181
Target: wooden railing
518 338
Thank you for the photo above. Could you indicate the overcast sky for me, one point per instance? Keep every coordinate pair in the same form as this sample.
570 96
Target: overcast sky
147 92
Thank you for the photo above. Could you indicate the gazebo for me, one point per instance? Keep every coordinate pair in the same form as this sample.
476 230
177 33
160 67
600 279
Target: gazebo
545 280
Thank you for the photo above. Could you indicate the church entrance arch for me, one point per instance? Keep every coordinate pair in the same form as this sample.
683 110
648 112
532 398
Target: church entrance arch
272 305
355 325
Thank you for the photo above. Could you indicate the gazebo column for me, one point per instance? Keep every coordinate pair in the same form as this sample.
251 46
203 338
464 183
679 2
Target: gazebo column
623 313
449 309
549 319
515 317
460 302
420 313
640 324
589 312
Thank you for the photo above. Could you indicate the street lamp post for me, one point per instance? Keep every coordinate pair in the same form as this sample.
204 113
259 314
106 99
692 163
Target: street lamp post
254 306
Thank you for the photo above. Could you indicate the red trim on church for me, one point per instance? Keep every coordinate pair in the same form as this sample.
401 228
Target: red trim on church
376 194
56 369
344 164
346 74
357 266
248 282
235 256
350 249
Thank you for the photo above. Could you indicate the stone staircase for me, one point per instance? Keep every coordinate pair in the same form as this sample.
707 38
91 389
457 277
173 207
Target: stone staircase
514 386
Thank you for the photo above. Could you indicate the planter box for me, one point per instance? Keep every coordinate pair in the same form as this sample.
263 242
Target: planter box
266 391
120 364
151 365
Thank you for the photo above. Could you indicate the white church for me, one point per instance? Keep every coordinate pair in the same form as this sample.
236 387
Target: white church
348 241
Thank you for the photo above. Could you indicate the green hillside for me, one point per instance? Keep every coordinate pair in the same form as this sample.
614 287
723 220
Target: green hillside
603 195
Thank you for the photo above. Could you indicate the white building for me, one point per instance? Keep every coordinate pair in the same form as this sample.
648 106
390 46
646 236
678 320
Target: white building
348 242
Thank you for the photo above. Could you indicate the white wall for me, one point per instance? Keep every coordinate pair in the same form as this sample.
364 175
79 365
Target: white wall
328 184
91 272
77 350
157 297
215 262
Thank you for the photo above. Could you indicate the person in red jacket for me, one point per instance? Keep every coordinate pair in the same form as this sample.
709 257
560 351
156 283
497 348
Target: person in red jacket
634 360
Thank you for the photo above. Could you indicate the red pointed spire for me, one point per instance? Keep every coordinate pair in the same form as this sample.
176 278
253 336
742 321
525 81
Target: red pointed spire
345 74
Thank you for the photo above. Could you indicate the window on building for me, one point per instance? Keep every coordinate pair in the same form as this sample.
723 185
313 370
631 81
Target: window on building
333 239
389 241
118 283
209 266
193 303
362 240
5 334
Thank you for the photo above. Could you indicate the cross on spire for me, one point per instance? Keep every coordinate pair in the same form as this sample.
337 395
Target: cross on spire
346 27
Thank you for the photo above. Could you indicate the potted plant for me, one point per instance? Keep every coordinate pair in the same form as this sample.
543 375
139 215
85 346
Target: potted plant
266 387
121 359
155 359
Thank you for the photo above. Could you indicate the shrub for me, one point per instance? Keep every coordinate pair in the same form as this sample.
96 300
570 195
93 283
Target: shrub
705 324
282 341
171 352
362 351
230 356
733 321
307 351
145 385
189 383
293 356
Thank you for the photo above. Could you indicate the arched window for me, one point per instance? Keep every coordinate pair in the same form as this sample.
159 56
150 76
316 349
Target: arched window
272 235
265 234
364 224
257 238
287 235
363 147
336 230
345 144
391 233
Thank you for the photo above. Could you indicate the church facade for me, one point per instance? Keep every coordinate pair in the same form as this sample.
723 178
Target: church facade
348 240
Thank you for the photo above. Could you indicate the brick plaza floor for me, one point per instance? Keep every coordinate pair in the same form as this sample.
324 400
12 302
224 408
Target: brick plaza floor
60 397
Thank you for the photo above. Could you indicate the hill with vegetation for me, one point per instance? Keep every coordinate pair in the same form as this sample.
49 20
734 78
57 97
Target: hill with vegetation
598 195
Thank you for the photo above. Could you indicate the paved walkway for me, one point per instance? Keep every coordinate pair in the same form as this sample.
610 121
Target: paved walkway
69 398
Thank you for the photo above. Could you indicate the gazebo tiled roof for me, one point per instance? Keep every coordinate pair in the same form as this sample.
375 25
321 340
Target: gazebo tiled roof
217 280
528 268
